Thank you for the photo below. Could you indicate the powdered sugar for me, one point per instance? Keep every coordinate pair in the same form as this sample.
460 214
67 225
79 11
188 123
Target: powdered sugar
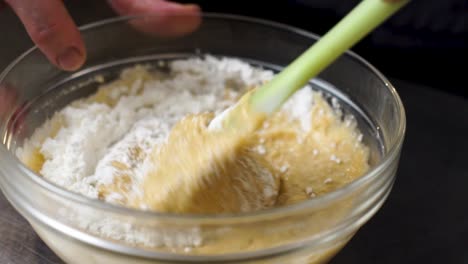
73 153
98 143
299 106
95 136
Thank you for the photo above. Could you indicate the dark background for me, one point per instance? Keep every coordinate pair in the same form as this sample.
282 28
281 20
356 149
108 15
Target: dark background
423 50
425 42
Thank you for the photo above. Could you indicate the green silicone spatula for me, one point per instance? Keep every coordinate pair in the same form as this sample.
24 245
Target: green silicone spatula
352 28
206 165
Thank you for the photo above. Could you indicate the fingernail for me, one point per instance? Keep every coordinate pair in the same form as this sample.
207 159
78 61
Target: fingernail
179 5
192 6
71 59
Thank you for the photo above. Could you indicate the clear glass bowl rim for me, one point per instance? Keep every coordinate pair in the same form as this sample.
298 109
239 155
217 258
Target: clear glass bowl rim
314 204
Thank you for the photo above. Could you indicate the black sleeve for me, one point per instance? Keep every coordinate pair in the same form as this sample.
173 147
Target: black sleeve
422 23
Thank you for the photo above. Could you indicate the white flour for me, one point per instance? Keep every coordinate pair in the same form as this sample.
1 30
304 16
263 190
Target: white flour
94 135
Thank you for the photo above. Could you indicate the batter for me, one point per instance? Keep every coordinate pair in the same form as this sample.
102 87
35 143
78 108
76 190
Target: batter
120 144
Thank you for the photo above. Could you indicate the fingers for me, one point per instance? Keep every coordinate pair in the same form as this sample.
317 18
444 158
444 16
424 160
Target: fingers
170 19
7 99
52 29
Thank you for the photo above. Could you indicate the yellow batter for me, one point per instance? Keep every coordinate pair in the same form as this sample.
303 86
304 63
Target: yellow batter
278 164
303 164
202 171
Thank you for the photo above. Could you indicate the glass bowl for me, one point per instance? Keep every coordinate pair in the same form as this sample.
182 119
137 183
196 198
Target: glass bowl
82 230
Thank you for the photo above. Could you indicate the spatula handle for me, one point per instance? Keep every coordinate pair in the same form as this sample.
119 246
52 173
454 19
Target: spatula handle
353 27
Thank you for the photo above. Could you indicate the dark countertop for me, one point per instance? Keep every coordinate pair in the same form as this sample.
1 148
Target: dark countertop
424 220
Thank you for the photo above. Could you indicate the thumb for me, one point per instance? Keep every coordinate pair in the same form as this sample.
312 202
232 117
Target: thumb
52 29
165 18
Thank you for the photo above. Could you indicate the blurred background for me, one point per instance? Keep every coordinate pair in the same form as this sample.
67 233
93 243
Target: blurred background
425 43
423 50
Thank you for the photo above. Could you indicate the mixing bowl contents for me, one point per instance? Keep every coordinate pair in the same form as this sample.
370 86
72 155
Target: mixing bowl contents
201 170
111 145
117 145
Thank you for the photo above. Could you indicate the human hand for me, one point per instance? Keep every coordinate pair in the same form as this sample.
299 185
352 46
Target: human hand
51 28
8 101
